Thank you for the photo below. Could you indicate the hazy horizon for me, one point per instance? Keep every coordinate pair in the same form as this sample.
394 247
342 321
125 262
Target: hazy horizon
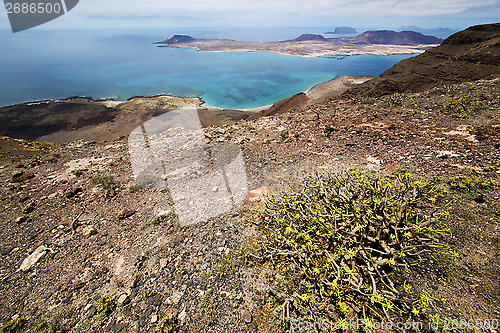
379 14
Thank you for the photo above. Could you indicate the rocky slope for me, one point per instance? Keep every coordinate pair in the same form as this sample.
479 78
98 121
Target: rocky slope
466 56
296 101
102 236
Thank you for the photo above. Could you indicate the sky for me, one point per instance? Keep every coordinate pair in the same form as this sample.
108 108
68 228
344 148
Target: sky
383 14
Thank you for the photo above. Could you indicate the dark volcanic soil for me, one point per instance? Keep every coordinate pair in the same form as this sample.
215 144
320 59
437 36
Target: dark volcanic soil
82 118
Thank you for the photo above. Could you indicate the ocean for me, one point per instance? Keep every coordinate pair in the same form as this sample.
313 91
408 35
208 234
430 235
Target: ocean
119 64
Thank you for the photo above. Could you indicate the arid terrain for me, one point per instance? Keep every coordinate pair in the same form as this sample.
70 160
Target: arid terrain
308 45
111 257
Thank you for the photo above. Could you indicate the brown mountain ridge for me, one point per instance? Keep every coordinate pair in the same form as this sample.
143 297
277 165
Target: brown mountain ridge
465 56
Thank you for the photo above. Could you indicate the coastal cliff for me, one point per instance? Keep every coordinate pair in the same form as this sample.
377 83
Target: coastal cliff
465 56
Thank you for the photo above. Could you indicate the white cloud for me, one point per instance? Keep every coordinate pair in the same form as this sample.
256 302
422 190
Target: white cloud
229 9
276 12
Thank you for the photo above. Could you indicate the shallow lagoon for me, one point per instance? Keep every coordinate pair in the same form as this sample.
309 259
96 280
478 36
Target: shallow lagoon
39 65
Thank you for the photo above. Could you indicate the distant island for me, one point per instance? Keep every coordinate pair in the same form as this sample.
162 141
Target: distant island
343 31
438 32
380 42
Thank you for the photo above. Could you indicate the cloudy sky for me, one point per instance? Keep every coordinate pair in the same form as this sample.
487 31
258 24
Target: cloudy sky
455 14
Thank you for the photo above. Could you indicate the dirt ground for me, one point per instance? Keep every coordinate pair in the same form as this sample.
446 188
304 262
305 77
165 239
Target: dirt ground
105 236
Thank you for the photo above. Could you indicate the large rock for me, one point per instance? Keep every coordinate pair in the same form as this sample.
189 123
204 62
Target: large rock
19 177
33 258
258 196
125 214
89 231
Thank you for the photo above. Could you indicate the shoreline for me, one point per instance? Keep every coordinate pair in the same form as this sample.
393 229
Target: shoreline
332 84
305 49
389 50
110 102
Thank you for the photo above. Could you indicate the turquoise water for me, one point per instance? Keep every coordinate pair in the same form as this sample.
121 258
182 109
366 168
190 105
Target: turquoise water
39 65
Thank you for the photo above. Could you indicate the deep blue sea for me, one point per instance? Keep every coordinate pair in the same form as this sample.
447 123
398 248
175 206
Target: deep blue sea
119 64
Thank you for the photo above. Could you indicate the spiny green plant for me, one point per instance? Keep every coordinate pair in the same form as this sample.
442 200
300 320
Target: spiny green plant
44 327
106 182
334 240
468 183
105 306
396 100
490 168
13 325
168 324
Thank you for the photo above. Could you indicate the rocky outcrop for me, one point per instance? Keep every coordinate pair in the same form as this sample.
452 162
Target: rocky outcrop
178 39
394 38
343 31
466 56
308 37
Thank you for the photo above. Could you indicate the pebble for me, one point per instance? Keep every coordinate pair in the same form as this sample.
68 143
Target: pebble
21 219
123 299
182 316
175 298
246 316
5 250
257 196
122 215
154 319
33 258
163 263
350 143
91 312
89 231
21 176
71 193
29 208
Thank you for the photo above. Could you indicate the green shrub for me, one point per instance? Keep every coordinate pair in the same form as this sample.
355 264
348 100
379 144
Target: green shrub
334 240
106 182
105 306
13 325
490 168
468 183
168 324
43 327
